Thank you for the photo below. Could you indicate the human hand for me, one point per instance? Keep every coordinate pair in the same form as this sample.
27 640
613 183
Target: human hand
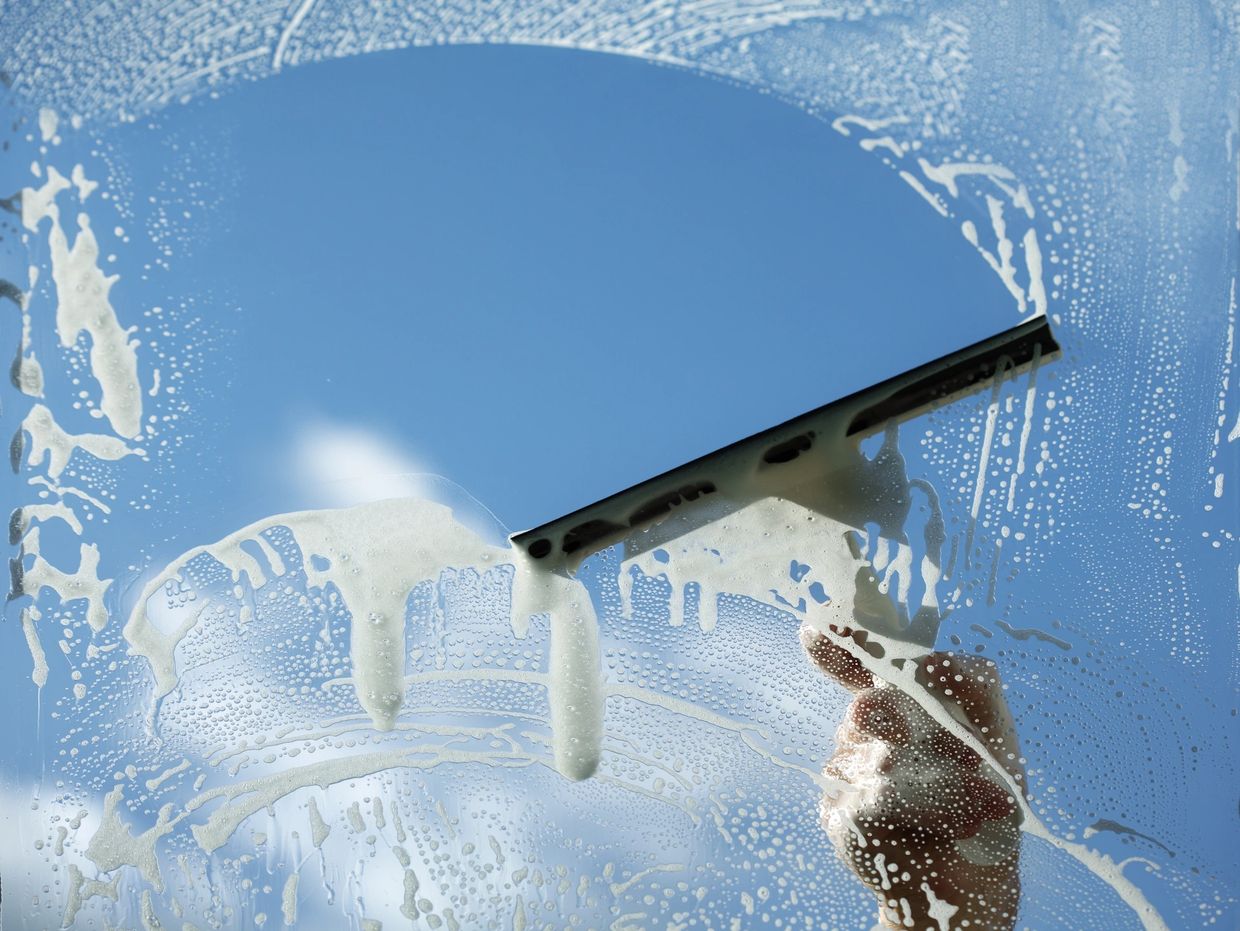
925 822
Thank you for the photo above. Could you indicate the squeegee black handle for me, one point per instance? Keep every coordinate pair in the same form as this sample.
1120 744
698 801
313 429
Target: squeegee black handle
955 374
868 411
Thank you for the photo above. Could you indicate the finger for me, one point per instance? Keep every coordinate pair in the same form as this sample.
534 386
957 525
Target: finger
836 661
876 714
971 684
966 684
991 802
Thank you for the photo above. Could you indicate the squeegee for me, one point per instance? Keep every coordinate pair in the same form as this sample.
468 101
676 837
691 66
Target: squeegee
797 459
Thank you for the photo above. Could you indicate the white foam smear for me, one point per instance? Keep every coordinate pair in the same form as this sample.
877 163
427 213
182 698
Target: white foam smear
576 690
27 373
817 560
27 516
50 442
833 532
83 305
374 555
83 583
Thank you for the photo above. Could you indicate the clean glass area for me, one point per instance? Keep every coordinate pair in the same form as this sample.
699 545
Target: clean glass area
311 305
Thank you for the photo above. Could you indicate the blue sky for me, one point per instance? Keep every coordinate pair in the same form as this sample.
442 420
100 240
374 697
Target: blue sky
649 263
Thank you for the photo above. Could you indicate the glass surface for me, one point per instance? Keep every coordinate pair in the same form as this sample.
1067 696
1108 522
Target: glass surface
307 318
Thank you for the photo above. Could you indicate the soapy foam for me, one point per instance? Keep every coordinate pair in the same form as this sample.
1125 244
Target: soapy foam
28 515
83 583
48 440
30 616
26 372
83 305
374 555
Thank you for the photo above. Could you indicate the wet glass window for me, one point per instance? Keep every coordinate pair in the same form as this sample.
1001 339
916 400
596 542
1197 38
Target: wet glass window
619 467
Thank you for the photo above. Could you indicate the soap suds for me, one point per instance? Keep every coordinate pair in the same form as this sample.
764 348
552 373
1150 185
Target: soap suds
374 555
288 899
28 515
114 843
83 305
83 583
48 440
38 674
82 890
49 120
319 829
